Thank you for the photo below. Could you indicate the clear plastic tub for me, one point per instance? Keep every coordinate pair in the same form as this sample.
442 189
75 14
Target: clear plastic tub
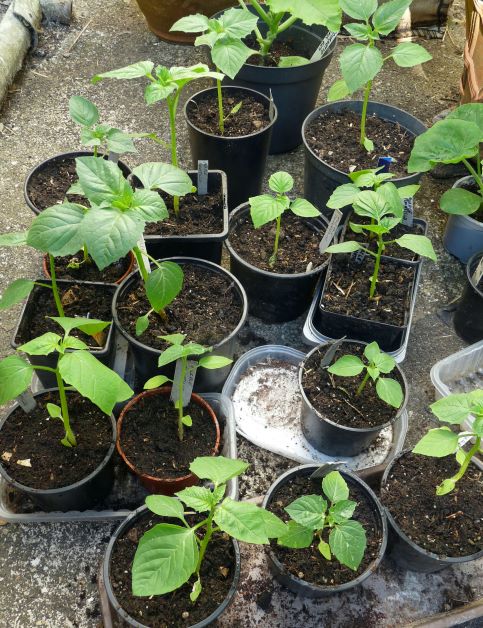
459 372
267 410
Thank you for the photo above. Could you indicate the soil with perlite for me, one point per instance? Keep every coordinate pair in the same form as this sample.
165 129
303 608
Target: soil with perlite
50 184
74 268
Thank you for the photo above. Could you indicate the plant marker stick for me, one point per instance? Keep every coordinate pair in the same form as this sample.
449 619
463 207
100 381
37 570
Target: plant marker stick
202 177
141 245
323 46
330 231
478 274
26 401
188 382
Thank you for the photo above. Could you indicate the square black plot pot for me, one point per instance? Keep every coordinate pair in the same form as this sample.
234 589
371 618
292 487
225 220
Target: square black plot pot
104 354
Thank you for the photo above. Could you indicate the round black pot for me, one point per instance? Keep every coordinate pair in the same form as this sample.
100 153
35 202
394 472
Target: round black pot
321 179
463 235
294 90
302 587
409 555
274 297
146 358
121 614
338 440
468 317
62 156
242 158
79 496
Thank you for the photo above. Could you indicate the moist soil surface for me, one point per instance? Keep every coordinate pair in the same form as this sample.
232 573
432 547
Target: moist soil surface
347 290
335 397
308 564
49 185
334 138
447 525
207 309
252 117
175 609
298 244
278 49
149 437
77 300
89 271
36 437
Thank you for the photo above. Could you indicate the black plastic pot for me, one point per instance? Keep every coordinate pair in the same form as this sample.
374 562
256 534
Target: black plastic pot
105 354
468 317
274 297
242 158
294 90
302 587
321 179
61 157
332 438
83 494
206 246
121 614
463 235
409 555
146 358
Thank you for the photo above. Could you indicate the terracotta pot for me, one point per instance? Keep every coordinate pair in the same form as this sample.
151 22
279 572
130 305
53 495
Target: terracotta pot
130 268
164 486
162 14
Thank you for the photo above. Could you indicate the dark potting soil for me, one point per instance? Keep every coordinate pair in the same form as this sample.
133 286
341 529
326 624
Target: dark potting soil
347 290
252 117
278 49
77 300
35 437
472 187
308 563
207 310
392 250
149 437
298 244
49 185
175 609
447 525
89 271
335 397
334 138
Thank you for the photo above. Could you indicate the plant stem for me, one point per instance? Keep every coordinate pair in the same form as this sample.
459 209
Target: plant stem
362 385
472 452
184 362
260 12
287 24
55 288
206 540
86 254
367 91
95 151
273 257
172 108
69 434
377 262
221 118
478 179
139 259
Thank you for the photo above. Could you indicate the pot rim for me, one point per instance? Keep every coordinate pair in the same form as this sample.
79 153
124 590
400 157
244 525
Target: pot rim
474 223
117 282
354 430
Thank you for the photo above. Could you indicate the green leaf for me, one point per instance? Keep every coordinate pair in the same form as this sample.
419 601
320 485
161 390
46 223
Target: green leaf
460 201
308 511
15 375
292 61
371 204
149 205
214 362
341 511
359 64
344 195
248 523
327 13
156 382
385 363
407 54
348 543
158 176
452 409
347 366
119 142
57 230
373 372
437 443
388 15
265 208
101 180
372 351
174 339
304 209
460 456
135 70
362 32
13 238
75 188
42 345
408 191
237 22
338 91
74 343
171 354
187 420
165 559
418 244
196 23
344 247
54 410
195 591
471 112
164 284
324 549
198 498
229 54
93 380
335 487
390 391
155 92
217 469
359 9
90 326
165 506
142 323
368 144
82 111
445 487
281 182
296 536
15 292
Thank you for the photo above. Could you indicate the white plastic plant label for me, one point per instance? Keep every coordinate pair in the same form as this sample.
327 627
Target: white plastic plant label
331 229
408 213
323 46
27 401
142 247
189 381
271 109
478 274
202 177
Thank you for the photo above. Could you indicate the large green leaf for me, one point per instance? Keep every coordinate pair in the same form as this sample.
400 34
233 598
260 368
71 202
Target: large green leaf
348 543
15 292
13 238
460 201
83 111
247 522
281 182
390 391
166 557
198 498
42 345
471 112
418 244
335 487
165 506
155 92
338 91
296 536
407 54
265 208
347 366
93 380
90 326
164 284
102 180
309 511
213 362
171 354
359 64
119 142
358 9
452 409
388 15
344 195
437 443
237 22
344 247
196 23
229 54
303 208
57 230
15 377
217 469
171 179
149 205
135 70
310 12
341 511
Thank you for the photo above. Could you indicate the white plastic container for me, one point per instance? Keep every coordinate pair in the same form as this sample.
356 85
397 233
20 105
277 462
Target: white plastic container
459 372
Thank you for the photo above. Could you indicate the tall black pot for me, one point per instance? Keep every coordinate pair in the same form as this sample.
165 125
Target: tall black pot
468 317
242 158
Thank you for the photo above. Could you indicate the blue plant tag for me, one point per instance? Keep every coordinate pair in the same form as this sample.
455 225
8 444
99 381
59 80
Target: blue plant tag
384 163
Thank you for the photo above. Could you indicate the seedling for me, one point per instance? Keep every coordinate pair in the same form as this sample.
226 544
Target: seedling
456 139
384 207
387 389
312 515
75 366
266 207
169 555
360 63
179 351
442 441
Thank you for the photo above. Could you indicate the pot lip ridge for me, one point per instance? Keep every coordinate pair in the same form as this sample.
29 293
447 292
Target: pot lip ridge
106 564
377 508
354 430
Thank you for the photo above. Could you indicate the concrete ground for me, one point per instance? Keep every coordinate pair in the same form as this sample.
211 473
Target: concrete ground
47 571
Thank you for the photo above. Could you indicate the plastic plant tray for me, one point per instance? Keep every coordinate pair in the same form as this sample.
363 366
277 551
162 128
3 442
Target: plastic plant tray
268 415
459 372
